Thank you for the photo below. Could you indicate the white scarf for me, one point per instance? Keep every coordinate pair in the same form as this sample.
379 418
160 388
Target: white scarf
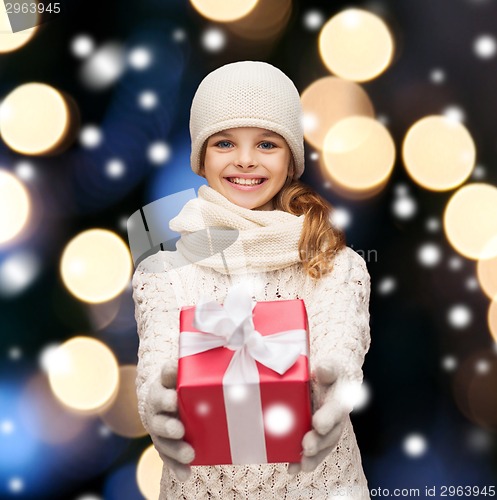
230 239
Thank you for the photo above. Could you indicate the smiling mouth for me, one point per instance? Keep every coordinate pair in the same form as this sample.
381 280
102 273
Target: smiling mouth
246 182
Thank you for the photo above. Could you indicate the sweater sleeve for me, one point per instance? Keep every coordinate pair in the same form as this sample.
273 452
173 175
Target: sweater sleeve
339 319
157 317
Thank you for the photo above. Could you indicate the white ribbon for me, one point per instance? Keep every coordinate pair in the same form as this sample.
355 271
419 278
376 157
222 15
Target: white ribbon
232 326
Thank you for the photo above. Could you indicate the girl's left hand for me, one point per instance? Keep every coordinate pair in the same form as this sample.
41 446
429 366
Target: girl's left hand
328 422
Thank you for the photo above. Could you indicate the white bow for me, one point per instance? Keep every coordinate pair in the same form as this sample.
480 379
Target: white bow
232 326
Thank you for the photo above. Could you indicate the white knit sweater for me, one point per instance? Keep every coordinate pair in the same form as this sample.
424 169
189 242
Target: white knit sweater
338 313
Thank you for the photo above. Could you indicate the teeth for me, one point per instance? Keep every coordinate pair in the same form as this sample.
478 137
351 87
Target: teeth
247 182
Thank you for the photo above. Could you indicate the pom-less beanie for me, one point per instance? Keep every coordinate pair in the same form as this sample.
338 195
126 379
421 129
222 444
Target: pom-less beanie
247 94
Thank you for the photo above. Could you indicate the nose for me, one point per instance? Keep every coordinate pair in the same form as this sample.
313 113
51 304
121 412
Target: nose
245 157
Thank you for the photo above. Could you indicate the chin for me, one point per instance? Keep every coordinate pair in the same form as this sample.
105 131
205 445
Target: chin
244 204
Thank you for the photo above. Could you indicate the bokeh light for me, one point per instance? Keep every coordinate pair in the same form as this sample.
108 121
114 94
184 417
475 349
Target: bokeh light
438 153
159 152
492 319
149 473
359 154
454 113
469 221
148 99
479 440
433 224
264 23
353 395
341 218
449 363
327 101
278 420
17 272
103 67
437 76
361 396
356 44
10 41
15 206
404 207
90 136
313 20
96 265
16 485
455 263
115 168
34 119
479 172
84 375
25 170
415 445
387 285
179 35
222 11
486 271
472 283
237 393
203 408
485 46
429 254
14 353
213 39
140 58
122 415
82 46
459 316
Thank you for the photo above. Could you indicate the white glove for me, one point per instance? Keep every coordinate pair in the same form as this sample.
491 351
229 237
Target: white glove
165 428
328 421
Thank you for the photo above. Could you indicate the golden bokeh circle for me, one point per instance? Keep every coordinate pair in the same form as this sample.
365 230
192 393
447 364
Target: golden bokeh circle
9 41
486 272
469 221
84 374
328 100
96 265
149 473
262 25
439 153
356 44
222 11
122 414
34 119
359 153
492 319
15 206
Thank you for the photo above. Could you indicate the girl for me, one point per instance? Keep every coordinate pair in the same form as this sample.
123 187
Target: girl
247 142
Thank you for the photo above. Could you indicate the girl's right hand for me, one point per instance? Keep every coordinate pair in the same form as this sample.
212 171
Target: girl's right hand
165 427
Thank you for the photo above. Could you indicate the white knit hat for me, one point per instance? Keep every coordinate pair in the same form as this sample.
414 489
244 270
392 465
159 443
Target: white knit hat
247 94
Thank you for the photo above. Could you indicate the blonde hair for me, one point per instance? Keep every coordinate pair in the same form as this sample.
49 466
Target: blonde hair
320 239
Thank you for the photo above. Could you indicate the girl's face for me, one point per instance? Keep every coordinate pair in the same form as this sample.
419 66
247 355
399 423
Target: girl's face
248 166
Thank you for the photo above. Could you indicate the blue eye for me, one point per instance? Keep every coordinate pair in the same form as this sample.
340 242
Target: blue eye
223 144
269 144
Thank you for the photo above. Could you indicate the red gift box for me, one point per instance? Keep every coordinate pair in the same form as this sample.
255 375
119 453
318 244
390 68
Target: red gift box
249 417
